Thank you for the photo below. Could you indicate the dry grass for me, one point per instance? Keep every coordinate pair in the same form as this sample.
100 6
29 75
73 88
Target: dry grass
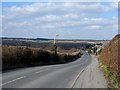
21 56
110 57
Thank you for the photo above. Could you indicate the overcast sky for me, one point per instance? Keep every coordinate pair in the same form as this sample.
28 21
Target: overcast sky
70 20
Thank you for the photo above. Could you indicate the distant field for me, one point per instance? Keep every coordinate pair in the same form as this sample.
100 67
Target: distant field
45 44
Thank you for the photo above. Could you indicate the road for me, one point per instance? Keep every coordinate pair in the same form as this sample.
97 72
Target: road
51 76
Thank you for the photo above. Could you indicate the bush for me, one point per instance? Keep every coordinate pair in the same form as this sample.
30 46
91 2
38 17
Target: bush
18 57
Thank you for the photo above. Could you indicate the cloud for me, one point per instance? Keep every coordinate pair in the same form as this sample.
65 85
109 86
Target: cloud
48 18
94 27
60 8
114 5
48 26
58 17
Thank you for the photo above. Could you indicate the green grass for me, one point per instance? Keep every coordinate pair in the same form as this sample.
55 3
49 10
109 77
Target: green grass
112 80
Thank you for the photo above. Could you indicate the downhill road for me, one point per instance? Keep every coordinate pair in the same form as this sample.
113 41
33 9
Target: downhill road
51 76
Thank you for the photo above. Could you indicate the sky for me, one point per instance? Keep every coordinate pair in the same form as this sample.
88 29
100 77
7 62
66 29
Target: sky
71 20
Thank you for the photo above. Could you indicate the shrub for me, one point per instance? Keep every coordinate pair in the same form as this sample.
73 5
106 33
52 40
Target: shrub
19 56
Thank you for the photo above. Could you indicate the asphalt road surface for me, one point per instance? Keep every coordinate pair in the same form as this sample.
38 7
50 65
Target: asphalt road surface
51 76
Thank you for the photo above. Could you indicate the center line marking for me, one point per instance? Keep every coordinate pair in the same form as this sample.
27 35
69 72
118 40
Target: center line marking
12 80
42 71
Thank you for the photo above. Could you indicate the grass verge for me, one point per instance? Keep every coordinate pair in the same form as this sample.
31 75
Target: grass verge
111 78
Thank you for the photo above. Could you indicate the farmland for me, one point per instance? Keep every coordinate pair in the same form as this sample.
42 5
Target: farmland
46 44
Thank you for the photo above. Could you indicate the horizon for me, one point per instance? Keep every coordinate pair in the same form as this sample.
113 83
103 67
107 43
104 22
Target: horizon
51 38
80 20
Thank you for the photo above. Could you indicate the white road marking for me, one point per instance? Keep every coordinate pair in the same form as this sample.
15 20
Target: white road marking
75 80
13 80
42 71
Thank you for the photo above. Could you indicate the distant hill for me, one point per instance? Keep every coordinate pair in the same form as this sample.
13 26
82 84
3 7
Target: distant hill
46 39
45 43
43 39
26 38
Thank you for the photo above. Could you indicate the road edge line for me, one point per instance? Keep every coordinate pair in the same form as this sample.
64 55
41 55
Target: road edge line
75 80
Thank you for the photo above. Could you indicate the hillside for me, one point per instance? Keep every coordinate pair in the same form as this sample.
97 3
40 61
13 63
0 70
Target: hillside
110 56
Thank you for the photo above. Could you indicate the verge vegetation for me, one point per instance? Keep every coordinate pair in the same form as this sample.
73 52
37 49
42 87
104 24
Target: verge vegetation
20 56
110 59
111 78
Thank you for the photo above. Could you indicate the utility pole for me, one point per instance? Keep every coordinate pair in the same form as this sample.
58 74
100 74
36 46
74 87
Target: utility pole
54 43
55 38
